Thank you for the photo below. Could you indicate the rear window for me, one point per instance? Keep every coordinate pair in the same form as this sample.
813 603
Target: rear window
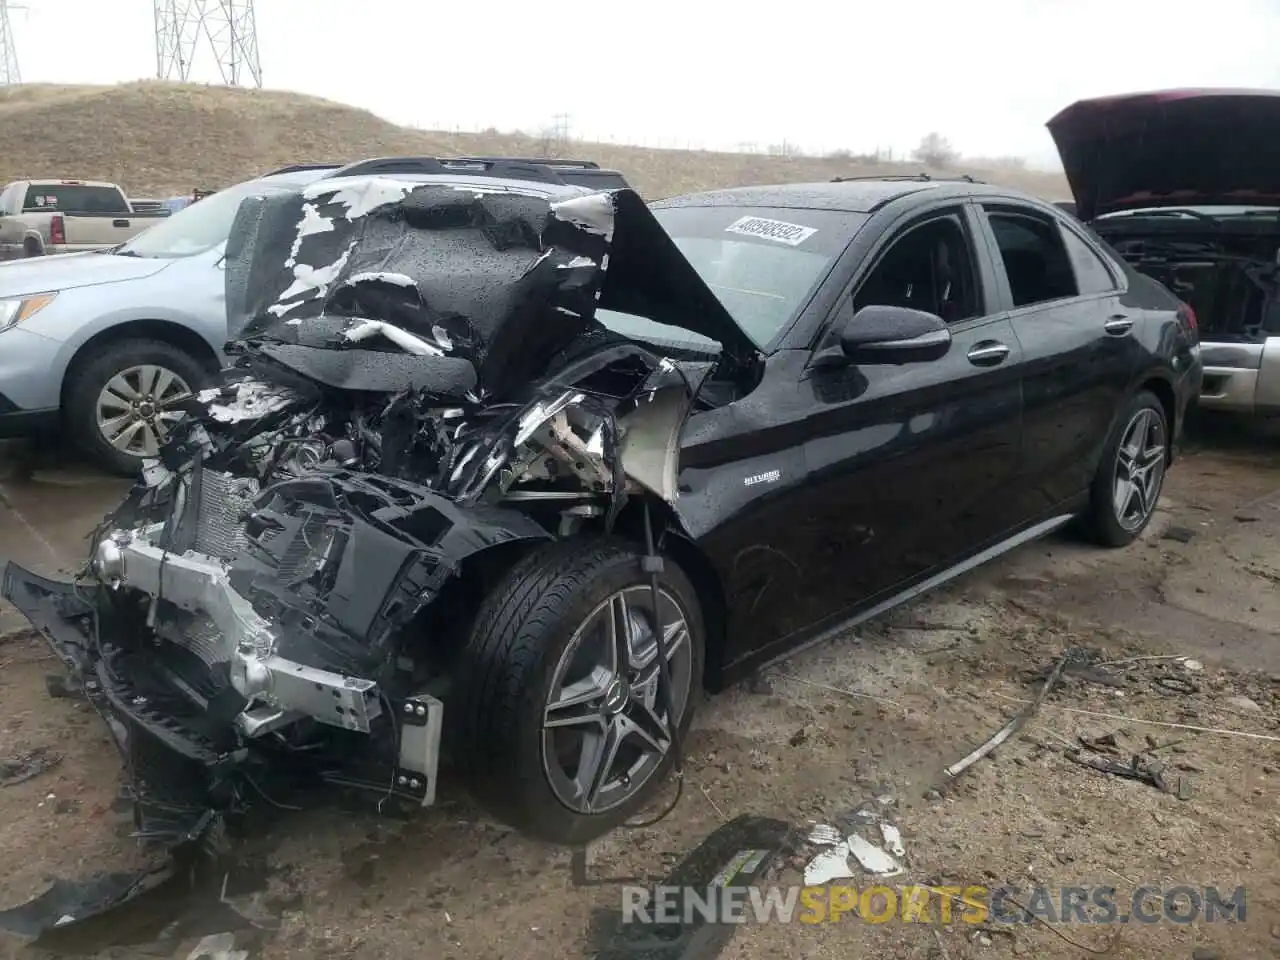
74 198
763 263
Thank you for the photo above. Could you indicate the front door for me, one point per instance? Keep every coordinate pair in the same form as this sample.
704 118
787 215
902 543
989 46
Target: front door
907 465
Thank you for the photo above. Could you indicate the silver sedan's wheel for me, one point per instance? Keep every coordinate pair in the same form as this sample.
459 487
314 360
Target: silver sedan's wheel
135 409
1139 469
605 729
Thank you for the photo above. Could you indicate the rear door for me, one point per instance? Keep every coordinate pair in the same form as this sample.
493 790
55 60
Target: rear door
1080 353
909 465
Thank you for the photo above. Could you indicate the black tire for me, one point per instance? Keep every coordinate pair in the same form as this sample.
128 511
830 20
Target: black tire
88 379
31 247
1102 521
508 667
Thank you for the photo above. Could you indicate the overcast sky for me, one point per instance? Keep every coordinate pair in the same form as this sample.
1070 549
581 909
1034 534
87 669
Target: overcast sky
821 74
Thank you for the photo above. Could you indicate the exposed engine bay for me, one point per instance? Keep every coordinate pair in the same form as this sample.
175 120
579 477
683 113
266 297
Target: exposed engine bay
1226 267
418 381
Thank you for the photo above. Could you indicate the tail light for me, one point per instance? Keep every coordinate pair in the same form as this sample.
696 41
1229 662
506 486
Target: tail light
57 230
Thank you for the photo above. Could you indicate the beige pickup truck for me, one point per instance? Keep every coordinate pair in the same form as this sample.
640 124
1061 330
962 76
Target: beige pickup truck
39 217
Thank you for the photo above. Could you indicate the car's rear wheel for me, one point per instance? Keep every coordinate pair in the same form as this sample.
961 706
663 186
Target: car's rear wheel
560 722
122 403
1130 476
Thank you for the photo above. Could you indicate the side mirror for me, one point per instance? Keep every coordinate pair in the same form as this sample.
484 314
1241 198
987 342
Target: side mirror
883 334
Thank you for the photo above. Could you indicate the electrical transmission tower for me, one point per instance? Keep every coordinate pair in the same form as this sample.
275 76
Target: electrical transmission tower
225 28
9 72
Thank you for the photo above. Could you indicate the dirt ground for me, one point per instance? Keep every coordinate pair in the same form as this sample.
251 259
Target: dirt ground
806 742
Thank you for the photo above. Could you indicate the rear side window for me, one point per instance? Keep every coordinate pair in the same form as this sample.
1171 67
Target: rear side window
1092 273
1034 256
74 198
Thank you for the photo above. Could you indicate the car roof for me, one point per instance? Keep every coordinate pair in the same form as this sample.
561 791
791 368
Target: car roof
856 195
553 191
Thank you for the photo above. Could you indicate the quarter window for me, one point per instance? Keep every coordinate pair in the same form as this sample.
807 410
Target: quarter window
1035 258
1092 273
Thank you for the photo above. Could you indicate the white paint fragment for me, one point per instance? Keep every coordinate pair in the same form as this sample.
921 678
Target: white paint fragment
825 834
403 339
577 263
360 197
892 837
1192 666
307 278
311 223
872 858
64 920
829 865
593 213
792 234
441 336
382 276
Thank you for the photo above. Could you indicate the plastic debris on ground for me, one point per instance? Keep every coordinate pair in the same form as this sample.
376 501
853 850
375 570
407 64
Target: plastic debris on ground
737 855
833 861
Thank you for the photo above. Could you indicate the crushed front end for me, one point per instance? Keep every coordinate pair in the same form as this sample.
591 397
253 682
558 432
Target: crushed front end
272 605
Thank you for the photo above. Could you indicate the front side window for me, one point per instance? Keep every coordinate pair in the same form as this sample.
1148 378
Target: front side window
1035 258
929 268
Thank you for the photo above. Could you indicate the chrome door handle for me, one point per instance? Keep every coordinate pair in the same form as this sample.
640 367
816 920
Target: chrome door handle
1117 324
987 354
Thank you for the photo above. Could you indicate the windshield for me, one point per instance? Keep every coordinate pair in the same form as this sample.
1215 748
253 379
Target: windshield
200 226
763 263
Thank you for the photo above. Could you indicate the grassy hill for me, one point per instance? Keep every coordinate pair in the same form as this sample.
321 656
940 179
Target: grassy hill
158 138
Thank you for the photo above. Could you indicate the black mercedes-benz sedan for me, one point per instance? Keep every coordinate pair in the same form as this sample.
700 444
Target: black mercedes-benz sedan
512 471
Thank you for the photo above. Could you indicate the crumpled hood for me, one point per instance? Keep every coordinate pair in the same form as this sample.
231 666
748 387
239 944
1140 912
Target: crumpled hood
500 278
1171 148
68 271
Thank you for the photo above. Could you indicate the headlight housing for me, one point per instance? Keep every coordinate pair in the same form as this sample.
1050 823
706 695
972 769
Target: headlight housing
14 310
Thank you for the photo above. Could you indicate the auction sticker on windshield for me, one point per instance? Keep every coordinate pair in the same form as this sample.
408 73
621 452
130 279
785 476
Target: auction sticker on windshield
777 230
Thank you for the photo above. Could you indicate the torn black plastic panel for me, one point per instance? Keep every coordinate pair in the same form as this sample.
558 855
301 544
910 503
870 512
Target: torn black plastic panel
340 563
166 762
737 855
503 279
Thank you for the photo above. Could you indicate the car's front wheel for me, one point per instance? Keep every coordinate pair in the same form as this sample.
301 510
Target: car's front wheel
1130 476
122 403
560 724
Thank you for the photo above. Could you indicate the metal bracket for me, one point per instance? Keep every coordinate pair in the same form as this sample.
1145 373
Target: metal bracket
421 718
414 784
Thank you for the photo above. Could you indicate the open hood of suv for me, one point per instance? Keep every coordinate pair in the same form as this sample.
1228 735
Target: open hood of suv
1171 148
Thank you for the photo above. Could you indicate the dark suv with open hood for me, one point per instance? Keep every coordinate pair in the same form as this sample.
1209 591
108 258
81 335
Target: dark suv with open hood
1185 185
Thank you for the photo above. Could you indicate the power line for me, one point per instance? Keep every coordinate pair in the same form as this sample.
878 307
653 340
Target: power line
226 28
9 72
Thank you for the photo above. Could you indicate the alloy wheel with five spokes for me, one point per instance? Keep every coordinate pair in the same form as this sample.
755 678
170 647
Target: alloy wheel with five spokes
605 728
1139 469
